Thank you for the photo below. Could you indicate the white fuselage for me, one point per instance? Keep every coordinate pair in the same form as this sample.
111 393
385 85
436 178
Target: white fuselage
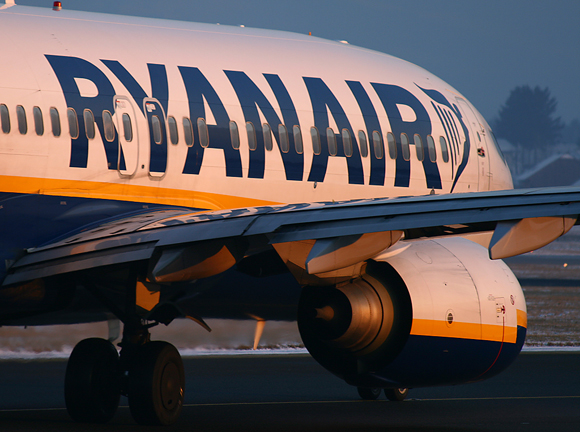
222 75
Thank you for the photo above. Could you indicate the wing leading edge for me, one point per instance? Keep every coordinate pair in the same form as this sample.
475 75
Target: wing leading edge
180 245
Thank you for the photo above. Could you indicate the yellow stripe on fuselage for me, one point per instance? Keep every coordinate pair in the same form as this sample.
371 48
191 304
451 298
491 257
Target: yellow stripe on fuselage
462 330
125 192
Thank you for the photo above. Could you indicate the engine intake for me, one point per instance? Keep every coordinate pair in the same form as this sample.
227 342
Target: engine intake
359 325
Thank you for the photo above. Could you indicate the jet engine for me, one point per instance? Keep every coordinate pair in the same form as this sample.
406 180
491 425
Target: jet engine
422 313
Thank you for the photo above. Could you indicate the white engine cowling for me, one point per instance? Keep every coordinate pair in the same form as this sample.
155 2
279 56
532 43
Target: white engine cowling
428 312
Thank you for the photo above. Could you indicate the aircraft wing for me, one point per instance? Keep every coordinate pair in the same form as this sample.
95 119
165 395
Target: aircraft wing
180 245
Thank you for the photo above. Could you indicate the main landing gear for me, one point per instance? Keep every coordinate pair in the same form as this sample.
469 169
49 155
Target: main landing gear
396 395
149 373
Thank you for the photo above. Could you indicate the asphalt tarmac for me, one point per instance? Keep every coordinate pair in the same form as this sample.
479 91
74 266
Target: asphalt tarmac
539 392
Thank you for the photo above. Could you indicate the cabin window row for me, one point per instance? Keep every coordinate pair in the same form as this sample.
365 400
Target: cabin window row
22 121
378 146
55 123
422 150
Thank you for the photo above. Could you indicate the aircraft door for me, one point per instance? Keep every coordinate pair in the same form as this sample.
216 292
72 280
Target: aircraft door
157 137
478 140
125 121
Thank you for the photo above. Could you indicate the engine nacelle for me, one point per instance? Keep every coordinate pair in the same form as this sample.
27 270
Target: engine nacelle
424 313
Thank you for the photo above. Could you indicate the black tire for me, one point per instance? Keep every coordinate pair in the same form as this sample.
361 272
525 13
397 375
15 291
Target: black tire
91 384
156 384
396 395
369 393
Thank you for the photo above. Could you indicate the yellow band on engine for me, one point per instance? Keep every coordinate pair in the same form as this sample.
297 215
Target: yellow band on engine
462 330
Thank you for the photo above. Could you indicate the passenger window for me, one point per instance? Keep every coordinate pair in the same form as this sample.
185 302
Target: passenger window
156 126
187 132
234 135
362 142
419 147
431 149
444 149
378 145
203 133
108 126
331 140
127 128
267 132
38 121
392 143
55 121
5 118
315 140
284 140
89 123
21 117
252 140
73 123
405 146
173 134
298 139
346 143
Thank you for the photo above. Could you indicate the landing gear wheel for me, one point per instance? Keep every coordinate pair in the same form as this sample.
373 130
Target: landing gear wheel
156 384
396 395
369 393
91 384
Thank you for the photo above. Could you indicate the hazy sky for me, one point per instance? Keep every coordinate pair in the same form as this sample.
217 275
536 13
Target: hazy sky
482 48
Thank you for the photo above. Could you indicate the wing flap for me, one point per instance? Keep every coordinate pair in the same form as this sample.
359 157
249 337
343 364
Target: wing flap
418 217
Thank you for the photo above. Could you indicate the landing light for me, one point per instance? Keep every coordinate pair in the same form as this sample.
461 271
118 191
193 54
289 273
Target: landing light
56 6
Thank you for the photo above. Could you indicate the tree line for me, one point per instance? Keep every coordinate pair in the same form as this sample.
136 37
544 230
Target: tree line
528 121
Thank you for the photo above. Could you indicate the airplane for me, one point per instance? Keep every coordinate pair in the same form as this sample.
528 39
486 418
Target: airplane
150 168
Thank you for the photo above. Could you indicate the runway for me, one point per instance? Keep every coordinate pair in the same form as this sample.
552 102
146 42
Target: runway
540 392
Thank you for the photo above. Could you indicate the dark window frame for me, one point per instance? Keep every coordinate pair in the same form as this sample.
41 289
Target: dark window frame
315 138
55 121
89 120
157 130
234 135
252 138
363 143
127 127
444 149
38 120
378 145
108 126
21 118
173 131
405 150
284 138
73 123
203 132
5 118
187 131
331 142
431 149
267 132
392 145
346 142
298 144
419 150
